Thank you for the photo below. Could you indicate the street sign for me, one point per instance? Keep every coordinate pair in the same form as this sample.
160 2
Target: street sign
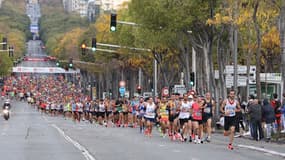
165 92
122 91
241 81
270 77
122 83
241 69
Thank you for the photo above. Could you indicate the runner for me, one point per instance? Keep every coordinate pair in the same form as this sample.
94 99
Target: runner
109 112
173 117
163 114
141 113
125 108
184 117
149 116
74 111
229 108
101 112
87 107
208 113
134 107
197 122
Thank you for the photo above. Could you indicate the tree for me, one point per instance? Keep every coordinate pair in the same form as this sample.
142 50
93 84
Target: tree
6 65
282 41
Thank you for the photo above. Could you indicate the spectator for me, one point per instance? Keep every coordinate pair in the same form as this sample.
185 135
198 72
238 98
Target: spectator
276 104
283 114
268 116
254 110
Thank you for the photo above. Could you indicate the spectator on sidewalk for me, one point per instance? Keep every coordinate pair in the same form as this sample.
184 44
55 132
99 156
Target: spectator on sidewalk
254 110
247 116
283 114
276 104
268 116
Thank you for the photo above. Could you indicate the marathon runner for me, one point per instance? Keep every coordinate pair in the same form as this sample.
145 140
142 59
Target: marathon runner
184 117
208 113
149 116
163 114
229 108
197 123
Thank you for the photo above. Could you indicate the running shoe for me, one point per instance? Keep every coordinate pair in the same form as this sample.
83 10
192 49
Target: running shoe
159 129
161 134
146 132
208 139
173 138
230 147
190 139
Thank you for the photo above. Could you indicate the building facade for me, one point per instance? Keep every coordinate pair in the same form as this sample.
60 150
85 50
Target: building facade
91 8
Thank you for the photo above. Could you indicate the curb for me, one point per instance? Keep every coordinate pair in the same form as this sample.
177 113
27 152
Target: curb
262 150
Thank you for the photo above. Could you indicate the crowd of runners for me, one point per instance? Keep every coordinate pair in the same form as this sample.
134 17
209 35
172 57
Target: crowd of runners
186 118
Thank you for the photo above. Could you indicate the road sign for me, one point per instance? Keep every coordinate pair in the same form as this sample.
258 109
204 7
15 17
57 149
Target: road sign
165 92
241 69
122 90
122 83
240 82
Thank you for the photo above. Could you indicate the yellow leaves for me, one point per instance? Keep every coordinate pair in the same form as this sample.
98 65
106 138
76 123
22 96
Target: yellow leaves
243 18
271 39
219 19
102 27
135 62
68 44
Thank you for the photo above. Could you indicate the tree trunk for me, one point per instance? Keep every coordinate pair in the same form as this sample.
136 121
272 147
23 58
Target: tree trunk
185 60
248 62
221 67
282 43
207 67
258 51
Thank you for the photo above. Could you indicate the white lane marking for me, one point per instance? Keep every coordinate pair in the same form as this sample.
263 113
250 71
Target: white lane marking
262 150
84 151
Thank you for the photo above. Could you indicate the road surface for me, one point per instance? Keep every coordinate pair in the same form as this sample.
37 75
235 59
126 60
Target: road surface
28 135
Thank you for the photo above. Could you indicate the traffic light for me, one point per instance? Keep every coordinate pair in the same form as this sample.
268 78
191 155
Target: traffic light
139 89
192 78
94 45
83 49
113 24
70 64
4 43
11 51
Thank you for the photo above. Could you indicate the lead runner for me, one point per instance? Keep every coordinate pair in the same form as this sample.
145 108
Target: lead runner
229 108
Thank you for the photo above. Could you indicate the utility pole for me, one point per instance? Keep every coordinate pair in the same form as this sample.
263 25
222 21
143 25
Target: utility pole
155 78
140 76
235 59
194 69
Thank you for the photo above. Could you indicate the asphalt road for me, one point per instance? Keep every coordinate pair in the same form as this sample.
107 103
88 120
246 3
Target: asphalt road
28 135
